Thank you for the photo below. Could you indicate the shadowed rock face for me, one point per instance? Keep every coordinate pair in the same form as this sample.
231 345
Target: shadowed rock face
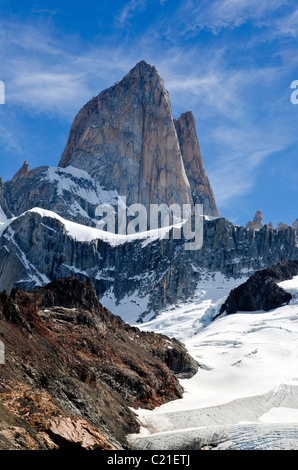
282 226
126 139
73 369
260 291
35 250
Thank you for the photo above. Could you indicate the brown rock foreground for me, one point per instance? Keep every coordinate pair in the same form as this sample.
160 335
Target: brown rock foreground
73 370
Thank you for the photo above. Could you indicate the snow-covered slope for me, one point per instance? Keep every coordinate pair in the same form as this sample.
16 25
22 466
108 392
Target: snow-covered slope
249 374
3 217
84 233
81 184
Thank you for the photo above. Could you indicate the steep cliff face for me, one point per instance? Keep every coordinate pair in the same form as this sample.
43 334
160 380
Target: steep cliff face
38 247
73 370
193 163
5 212
126 139
122 143
129 143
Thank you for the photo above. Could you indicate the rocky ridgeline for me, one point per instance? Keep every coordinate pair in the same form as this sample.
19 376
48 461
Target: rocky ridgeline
73 370
257 223
35 249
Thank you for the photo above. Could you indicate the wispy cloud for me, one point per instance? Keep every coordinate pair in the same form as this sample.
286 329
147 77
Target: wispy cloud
214 16
47 76
287 25
241 153
46 11
131 7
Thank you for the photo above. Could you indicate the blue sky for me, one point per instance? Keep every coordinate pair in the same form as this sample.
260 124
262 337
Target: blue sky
231 62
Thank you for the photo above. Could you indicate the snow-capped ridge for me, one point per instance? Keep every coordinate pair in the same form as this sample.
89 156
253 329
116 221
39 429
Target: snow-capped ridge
84 233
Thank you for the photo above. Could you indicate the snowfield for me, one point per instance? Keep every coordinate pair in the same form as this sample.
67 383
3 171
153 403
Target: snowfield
245 394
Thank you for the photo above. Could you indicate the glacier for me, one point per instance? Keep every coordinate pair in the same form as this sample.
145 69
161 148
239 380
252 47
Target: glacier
245 394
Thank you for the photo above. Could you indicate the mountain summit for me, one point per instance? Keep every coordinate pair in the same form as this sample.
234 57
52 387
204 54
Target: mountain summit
127 139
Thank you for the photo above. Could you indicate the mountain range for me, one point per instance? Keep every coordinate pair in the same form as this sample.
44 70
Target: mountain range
77 370
125 143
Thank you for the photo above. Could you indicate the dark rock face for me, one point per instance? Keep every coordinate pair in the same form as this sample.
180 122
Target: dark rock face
36 249
282 226
260 291
73 369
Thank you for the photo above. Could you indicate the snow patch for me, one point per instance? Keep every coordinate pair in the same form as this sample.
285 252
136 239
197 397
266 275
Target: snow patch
291 286
3 217
80 183
280 415
130 308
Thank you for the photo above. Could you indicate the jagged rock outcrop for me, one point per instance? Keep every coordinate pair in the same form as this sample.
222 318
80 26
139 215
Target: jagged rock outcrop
193 163
260 291
73 370
257 222
270 225
23 171
295 226
126 139
282 226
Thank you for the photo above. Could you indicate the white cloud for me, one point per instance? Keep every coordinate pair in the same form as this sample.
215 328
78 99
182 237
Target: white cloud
241 152
129 11
46 11
287 25
219 14
49 76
